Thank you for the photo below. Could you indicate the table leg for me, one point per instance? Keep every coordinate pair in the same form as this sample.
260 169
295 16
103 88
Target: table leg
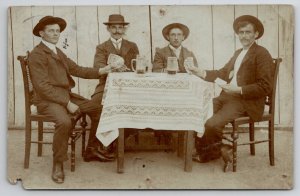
188 151
120 154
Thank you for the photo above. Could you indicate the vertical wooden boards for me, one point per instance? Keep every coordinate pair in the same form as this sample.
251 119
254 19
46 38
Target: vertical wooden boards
223 37
103 14
68 38
22 41
196 42
138 30
211 39
10 76
87 40
268 14
286 71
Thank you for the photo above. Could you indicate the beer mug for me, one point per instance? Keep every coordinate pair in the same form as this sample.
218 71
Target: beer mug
172 65
140 64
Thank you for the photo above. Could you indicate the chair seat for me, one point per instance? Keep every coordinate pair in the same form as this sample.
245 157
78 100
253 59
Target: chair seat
246 119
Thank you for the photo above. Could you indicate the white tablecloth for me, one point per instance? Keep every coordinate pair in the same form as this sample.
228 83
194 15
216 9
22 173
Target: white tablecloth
155 100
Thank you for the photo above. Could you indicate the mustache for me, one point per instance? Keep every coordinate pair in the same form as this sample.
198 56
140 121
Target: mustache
118 33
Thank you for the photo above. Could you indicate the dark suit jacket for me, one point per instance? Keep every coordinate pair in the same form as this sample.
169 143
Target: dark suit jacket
161 58
128 51
255 76
51 75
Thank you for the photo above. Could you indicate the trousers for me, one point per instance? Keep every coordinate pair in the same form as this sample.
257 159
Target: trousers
226 107
61 117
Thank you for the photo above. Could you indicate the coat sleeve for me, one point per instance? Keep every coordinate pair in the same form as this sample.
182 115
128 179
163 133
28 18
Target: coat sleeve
82 72
264 77
212 75
158 62
100 60
38 68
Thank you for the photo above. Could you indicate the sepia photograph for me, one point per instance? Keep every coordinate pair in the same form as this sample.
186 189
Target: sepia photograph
142 97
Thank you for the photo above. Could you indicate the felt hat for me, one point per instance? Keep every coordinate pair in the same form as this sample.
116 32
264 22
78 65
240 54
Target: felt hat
46 21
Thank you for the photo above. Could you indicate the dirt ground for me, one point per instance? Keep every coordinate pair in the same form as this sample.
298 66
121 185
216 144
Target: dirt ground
157 170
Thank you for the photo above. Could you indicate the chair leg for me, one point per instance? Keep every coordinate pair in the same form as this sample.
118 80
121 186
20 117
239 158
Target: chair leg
83 134
73 136
40 138
271 142
234 137
252 138
27 143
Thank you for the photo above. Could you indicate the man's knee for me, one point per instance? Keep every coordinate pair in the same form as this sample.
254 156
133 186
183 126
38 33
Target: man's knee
64 123
210 124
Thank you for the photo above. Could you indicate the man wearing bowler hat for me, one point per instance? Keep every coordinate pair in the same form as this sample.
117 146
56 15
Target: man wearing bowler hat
116 44
248 77
50 71
175 34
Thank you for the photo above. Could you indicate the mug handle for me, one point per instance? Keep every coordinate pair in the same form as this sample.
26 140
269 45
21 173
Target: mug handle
132 60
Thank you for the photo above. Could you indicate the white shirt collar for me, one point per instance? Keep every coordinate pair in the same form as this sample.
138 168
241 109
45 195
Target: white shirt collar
117 43
248 47
175 50
50 46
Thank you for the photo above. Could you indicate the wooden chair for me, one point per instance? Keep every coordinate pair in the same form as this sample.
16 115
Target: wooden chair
267 116
33 116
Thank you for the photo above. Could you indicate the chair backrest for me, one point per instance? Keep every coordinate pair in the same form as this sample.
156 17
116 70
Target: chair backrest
270 100
28 88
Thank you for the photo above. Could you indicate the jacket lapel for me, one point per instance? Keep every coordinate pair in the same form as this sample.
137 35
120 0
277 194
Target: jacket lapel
124 47
110 47
249 54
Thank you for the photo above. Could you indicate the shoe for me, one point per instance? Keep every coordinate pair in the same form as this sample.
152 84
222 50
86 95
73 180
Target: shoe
92 154
204 158
106 153
58 175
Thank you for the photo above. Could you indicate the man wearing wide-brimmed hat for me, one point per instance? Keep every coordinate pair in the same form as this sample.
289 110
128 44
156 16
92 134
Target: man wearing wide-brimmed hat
50 71
116 45
175 34
248 80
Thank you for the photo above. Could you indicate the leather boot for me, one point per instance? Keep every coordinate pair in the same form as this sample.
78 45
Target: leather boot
92 154
58 175
208 152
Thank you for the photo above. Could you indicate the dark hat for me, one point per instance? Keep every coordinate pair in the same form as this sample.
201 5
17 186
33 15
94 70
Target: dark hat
251 19
116 19
167 29
46 21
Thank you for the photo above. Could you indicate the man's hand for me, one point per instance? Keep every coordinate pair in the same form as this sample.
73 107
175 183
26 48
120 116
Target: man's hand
198 71
105 70
229 88
72 108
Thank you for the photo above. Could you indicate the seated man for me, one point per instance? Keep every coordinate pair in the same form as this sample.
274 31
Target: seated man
116 44
248 75
175 33
50 71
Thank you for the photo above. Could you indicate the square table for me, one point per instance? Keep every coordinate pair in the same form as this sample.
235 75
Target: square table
160 101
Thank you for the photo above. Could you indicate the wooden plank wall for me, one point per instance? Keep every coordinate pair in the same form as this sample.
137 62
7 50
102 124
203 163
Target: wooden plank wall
211 39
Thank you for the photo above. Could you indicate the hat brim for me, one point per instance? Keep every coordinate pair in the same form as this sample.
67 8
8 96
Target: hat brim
116 22
251 19
167 29
53 20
